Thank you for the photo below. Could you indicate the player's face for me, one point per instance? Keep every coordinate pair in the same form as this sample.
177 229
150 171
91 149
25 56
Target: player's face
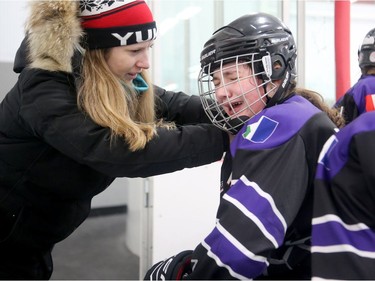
238 91
126 62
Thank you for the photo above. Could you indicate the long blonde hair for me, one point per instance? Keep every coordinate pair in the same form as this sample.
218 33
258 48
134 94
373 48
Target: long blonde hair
111 103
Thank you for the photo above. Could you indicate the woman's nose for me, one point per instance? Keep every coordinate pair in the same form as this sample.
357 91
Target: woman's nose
144 61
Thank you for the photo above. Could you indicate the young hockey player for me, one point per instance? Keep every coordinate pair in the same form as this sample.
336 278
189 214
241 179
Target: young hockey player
263 224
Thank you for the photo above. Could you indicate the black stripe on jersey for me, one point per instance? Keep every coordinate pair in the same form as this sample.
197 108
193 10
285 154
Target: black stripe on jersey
343 266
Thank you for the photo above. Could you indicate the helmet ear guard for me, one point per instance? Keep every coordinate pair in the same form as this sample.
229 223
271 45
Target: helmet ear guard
278 67
273 66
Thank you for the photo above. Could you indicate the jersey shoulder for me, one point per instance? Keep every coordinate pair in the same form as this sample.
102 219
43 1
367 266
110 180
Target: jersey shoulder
275 125
336 151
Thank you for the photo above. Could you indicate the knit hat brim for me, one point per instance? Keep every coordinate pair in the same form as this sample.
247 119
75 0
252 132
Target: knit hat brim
119 36
110 24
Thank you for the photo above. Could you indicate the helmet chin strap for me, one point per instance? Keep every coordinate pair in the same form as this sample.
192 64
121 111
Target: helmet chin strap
280 90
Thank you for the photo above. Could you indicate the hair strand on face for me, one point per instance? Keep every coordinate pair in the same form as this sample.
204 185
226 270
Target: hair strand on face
111 104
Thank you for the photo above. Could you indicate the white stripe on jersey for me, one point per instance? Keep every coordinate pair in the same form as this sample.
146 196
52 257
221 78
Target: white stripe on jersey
252 217
268 197
334 218
342 248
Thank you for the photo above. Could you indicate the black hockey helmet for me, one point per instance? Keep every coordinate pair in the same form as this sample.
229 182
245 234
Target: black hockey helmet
259 40
366 52
253 33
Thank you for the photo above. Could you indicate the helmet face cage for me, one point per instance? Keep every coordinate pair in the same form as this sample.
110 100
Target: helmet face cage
259 77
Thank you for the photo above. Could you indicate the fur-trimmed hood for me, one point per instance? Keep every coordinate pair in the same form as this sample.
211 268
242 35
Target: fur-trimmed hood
53 34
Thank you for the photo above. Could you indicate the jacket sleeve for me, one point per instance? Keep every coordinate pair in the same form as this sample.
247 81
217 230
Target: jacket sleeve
254 214
179 107
49 111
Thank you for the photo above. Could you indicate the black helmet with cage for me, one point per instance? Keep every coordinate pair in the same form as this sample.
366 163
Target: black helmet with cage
259 40
366 52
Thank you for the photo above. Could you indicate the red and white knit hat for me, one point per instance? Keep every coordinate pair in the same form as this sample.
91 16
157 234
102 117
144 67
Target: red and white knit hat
112 23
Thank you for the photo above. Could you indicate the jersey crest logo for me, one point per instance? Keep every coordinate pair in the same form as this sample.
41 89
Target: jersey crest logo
260 131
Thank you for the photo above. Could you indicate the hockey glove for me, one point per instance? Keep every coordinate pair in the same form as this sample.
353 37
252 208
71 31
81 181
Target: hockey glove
173 268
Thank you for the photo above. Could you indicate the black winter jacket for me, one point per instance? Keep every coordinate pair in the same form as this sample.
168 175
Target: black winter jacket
54 158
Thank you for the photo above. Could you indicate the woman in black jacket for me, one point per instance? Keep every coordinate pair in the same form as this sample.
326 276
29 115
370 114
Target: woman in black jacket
67 130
